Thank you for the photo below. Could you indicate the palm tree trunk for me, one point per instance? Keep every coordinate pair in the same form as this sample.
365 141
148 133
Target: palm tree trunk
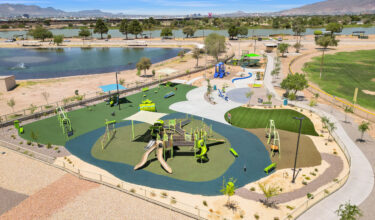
321 64
362 133
197 62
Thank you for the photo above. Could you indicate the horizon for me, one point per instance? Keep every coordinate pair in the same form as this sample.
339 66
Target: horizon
167 7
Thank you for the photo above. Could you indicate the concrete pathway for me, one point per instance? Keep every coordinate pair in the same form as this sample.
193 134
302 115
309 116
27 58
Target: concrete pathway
361 179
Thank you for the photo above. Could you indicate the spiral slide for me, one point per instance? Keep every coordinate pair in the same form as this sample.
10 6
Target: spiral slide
164 164
145 157
246 77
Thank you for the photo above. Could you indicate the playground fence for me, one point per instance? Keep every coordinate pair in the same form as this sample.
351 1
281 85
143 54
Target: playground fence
330 189
79 101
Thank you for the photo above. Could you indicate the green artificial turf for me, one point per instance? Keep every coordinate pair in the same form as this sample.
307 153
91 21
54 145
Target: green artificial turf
185 167
345 71
259 118
84 120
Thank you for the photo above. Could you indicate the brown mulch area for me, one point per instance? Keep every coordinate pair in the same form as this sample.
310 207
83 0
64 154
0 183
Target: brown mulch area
9 199
332 172
308 155
48 200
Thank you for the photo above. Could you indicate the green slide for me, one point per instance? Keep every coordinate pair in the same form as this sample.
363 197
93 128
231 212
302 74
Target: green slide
202 146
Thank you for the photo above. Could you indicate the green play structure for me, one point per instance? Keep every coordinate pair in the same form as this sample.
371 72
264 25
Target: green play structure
147 105
18 127
64 121
270 168
110 131
273 138
246 60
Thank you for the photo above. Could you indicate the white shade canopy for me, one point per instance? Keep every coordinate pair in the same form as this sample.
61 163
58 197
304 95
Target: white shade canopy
145 116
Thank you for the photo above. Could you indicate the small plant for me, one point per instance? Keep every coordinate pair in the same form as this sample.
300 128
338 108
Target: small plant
118 185
164 194
304 183
307 178
21 142
326 191
276 218
252 189
153 72
132 190
290 207
316 170
256 216
28 142
56 148
312 173
76 92
336 180
153 194
34 136
205 203
173 200
210 210
13 136
122 81
49 146
310 196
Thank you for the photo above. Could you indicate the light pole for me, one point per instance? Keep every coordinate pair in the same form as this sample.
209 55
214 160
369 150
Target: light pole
118 93
295 159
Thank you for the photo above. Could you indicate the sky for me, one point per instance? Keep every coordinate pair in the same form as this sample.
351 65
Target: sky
168 7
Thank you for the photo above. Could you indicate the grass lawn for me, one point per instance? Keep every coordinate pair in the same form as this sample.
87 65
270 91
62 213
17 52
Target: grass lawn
345 71
259 118
83 120
184 165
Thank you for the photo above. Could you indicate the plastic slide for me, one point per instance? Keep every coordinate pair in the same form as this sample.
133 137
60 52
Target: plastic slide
220 94
246 77
164 164
203 148
145 157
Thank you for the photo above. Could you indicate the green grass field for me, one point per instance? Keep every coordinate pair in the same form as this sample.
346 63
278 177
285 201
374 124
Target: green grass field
84 120
345 71
184 165
258 118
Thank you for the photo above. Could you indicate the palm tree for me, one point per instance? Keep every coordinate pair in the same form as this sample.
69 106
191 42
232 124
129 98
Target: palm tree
324 120
249 95
347 110
11 103
268 192
228 189
144 64
363 127
331 128
325 42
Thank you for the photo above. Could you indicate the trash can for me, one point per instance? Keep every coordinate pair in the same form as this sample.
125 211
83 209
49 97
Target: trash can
215 87
285 102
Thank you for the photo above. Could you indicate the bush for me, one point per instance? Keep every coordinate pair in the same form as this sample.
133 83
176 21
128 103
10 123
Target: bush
204 202
252 189
289 207
173 200
256 216
49 146
310 196
164 194
153 194
21 142
28 143
132 190
56 148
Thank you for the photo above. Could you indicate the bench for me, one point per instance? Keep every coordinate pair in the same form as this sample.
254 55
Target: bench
270 168
233 152
169 95
21 130
145 89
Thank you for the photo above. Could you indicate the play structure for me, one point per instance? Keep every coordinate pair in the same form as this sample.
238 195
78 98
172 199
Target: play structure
19 128
147 105
64 122
273 138
222 95
239 78
246 60
109 134
220 70
164 137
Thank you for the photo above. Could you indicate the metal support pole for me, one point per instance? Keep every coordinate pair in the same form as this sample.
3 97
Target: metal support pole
295 159
118 93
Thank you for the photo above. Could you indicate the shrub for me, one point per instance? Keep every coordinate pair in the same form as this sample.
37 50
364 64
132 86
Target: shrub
304 183
49 146
316 169
56 148
252 189
164 194
28 143
204 202
310 196
326 191
290 207
312 173
153 194
173 200
307 178
132 190
276 218
256 216
21 142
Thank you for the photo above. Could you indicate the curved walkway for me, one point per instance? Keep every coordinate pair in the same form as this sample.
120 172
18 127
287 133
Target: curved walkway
336 166
361 179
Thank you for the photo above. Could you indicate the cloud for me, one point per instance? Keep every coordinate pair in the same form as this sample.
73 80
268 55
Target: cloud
23 2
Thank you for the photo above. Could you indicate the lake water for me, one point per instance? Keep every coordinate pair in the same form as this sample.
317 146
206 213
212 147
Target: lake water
49 63
178 33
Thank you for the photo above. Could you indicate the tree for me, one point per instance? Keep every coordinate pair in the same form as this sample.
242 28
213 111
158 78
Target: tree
331 128
334 28
196 55
166 32
84 32
324 42
363 127
243 31
144 64
11 103
101 28
188 31
214 44
135 28
58 39
348 211
297 46
347 110
45 96
249 95
228 188
233 31
298 29
268 192
283 47
40 33
294 82
324 121
181 54
124 27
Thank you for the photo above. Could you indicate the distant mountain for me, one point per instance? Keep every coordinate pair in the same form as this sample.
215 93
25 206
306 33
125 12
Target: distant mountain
333 7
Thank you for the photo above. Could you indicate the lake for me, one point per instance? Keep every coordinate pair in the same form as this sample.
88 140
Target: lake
179 34
48 63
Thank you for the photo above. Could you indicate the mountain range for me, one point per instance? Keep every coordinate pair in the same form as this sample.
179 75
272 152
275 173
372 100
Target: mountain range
327 7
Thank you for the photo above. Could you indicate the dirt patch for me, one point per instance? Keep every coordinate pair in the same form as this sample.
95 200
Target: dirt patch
308 155
373 80
368 92
50 199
